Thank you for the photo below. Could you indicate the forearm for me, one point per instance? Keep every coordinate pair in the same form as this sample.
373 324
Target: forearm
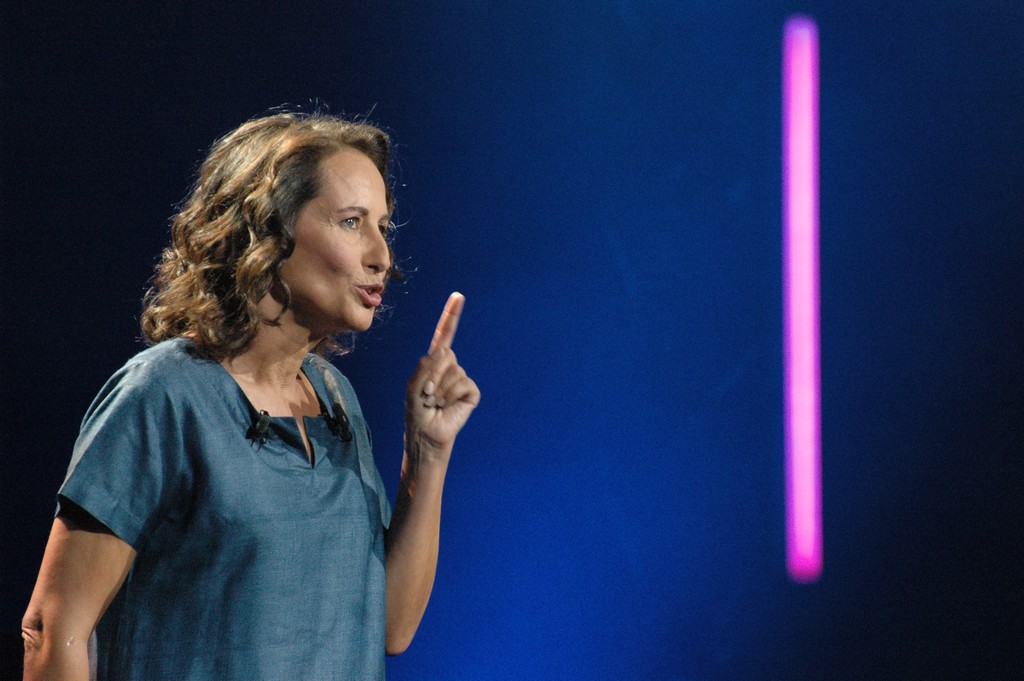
83 567
55 655
412 547
438 400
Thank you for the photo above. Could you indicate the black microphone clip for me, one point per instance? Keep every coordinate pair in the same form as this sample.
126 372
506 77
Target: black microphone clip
259 428
339 423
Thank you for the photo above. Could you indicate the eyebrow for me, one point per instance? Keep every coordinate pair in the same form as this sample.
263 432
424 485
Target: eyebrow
359 209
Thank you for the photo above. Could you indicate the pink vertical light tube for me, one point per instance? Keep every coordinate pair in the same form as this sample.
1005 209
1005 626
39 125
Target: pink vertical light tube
801 299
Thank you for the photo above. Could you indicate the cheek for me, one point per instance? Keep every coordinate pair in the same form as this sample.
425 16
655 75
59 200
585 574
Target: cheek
326 252
339 259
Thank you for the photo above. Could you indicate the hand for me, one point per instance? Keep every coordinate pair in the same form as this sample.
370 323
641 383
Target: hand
440 396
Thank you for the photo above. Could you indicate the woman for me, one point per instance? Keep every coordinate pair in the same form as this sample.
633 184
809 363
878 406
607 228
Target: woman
222 516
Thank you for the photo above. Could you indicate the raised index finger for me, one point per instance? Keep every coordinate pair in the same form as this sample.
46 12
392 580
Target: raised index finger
444 334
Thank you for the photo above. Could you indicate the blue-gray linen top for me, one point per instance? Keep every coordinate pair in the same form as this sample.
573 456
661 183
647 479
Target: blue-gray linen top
253 563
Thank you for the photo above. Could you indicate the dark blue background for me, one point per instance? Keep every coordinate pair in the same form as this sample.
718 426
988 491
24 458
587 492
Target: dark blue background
602 181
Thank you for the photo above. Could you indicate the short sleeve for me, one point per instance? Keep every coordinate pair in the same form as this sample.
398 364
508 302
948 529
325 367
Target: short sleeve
127 462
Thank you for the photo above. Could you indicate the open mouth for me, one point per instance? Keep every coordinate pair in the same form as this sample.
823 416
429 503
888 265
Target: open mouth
372 294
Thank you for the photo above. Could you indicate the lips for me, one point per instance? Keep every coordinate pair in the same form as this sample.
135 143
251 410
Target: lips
371 294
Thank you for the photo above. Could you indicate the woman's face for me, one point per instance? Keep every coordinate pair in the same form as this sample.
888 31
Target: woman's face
336 271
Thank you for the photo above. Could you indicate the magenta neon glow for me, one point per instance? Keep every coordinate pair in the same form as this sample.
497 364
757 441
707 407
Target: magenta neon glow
801 299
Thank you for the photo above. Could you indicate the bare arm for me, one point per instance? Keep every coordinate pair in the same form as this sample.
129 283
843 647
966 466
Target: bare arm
412 548
439 399
83 567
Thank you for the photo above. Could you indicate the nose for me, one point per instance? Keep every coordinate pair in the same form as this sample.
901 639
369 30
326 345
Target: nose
377 257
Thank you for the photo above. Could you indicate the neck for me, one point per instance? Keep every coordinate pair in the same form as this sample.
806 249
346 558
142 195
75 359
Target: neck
274 357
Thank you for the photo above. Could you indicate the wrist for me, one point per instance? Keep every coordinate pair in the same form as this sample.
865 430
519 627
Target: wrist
426 450
424 460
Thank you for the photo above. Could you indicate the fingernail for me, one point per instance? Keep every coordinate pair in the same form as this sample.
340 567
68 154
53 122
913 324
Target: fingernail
428 388
440 402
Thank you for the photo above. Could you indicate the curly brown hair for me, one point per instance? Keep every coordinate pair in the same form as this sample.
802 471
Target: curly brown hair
236 228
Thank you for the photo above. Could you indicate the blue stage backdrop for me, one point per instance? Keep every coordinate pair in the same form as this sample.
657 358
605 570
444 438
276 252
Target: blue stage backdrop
601 180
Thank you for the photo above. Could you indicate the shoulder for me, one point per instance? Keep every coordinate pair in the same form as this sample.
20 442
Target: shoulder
168 370
336 383
326 369
169 357
173 362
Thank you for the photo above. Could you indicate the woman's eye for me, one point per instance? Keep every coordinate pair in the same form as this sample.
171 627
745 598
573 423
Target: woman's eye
350 223
385 229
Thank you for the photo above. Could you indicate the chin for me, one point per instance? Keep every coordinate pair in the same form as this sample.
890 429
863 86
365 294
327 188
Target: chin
358 326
